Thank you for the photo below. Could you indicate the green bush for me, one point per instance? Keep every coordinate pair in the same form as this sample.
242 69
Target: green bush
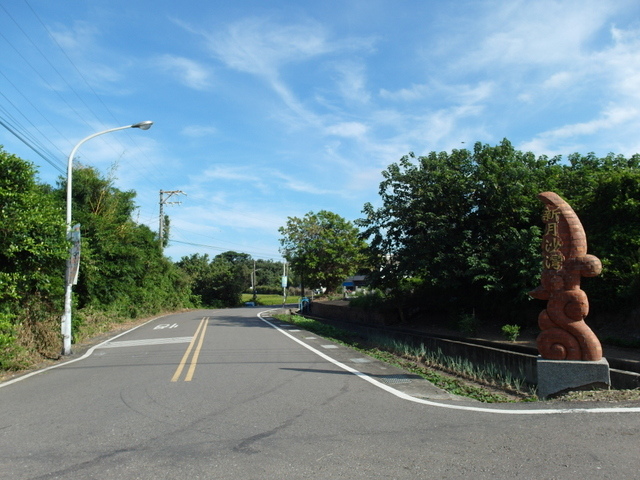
511 332
468 324
11 357
369 300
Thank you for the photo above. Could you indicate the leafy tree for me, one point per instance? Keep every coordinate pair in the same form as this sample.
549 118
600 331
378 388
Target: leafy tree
463 226
242 266
33 251
33 248
122 266
605 193
322 247
198 269
228 281
216 282
269 276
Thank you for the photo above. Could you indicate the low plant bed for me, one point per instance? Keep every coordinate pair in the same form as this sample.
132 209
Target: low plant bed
452 375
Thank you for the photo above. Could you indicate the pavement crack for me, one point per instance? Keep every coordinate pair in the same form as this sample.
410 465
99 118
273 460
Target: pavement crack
245 446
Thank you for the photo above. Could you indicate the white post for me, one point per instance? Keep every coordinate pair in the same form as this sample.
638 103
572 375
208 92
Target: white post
65 325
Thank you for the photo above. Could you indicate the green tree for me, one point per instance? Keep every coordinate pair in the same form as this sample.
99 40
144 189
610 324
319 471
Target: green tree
217 282
198 269
269 276
323 248
463 228
241 264
33 248
463 225
605 193
228 281
122 267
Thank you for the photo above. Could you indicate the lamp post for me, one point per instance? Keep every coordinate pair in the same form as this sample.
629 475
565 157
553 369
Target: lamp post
66 317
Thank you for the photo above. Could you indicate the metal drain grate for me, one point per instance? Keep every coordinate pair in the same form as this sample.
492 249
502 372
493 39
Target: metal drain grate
394 379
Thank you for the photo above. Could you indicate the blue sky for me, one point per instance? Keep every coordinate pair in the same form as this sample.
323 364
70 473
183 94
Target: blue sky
270 109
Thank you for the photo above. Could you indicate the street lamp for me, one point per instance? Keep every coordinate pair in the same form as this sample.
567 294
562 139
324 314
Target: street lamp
66 317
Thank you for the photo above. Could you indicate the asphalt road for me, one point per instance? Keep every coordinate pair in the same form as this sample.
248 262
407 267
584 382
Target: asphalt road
226 394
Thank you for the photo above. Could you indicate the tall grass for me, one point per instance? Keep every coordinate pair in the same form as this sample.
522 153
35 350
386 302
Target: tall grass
490 373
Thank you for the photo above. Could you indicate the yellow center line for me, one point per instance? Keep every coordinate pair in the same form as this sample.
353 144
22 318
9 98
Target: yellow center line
199 333
196 354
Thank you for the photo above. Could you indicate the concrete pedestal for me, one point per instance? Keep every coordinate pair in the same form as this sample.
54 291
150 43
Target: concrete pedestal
555 376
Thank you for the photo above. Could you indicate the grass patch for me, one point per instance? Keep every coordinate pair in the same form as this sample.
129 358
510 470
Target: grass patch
437 368
267 299
491 375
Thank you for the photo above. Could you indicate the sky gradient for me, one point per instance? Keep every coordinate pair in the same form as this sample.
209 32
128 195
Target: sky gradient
265 110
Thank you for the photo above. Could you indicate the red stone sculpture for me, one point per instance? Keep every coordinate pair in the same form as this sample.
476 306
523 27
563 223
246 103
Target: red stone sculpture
565 335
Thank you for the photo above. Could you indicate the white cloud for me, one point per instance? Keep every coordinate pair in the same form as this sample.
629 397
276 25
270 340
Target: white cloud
199 131
347 129
300 184
81 45
78 39
610 118
352 82
228 172
558 80
192 74
265 181
415 92
621 62
538 33
566 139
461 93
260 47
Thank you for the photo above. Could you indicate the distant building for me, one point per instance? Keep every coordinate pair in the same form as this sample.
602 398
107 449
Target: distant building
354 284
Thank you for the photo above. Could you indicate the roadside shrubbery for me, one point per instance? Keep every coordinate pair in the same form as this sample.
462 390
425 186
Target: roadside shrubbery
461 231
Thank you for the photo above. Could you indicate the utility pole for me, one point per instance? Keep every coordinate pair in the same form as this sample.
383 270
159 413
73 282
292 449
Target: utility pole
284 284
253 283
164 196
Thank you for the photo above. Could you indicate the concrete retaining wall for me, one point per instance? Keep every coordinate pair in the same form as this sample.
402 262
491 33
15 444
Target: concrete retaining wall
518 364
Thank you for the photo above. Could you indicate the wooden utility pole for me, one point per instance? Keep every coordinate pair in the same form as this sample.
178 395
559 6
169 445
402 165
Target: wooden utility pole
164 196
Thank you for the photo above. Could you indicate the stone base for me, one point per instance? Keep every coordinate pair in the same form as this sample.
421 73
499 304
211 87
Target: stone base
555 376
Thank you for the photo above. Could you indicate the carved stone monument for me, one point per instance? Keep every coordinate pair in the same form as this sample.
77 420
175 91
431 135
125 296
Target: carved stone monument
571 354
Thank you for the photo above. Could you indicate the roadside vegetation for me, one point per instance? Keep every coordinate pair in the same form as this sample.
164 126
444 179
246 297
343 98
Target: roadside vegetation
266 300
454 375
454 236
459 233
123 272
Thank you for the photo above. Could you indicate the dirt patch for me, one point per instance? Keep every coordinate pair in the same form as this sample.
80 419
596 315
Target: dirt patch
605 396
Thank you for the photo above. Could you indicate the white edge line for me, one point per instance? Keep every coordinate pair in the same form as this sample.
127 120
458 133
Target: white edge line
87 354
405 396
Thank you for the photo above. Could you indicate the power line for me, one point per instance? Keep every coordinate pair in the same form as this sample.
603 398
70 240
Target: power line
143 169
64 52
81 75
28 144
223 249
44 79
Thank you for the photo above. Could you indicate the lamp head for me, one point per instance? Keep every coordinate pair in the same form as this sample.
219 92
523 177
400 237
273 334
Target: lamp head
143 125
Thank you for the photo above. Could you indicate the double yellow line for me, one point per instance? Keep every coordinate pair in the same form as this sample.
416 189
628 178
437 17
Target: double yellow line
199 338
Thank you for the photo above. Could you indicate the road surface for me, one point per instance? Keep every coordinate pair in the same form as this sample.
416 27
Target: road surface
235 394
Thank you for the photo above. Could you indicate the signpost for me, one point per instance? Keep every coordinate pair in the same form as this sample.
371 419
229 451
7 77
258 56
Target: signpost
73 262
